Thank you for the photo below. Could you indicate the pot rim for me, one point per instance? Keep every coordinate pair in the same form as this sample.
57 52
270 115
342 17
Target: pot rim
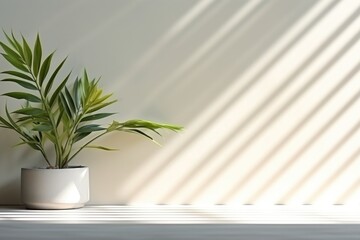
68 168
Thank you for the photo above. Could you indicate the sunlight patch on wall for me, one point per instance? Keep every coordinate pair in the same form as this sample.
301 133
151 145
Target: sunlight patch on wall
249 144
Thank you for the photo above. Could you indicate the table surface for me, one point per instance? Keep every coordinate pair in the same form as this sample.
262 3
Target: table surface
182 222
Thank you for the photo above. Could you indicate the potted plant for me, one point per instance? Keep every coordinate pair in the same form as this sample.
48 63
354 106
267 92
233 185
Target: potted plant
58 118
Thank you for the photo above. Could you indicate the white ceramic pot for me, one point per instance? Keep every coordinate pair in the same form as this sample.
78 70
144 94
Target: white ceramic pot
55 188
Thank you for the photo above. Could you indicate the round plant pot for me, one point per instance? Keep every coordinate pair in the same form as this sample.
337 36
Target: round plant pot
65 188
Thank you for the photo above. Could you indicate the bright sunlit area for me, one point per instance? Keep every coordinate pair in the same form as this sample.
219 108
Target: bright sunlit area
181 119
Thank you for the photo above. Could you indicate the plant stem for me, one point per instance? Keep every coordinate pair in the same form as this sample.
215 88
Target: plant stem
83 146
70 137
57 144
45 157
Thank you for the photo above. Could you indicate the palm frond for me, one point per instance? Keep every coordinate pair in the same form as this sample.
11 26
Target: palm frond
56 113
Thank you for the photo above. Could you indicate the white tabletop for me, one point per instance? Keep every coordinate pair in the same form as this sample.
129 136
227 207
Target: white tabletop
182 222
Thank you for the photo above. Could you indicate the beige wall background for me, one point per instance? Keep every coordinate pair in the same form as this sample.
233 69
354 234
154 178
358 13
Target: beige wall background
268 92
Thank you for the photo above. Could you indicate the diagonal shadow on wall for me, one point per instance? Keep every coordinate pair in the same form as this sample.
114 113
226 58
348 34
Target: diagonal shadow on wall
278 113
151 176
161 168
247 87
303 149
306 178
265 161
331 179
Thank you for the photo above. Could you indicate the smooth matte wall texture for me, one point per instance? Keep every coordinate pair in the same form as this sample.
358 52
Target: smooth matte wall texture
268 92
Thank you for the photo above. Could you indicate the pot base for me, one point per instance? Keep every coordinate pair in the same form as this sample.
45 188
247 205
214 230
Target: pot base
53 206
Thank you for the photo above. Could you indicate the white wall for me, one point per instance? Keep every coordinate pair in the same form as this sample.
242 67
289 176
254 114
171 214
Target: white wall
267 90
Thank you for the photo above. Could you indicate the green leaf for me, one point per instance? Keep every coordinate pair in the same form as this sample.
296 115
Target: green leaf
18 74
90 128
138 123
70 100
45 69
96 116
24 120
59 117
113 126
98 107
31 143
14 43
101 148
86 83
11 41
27 53
6 123
50 136
65 106
77 93
58 89
22 95
141 133
80 136
52 78
11 121
95 95
137 131
10 52
16 63
31 111
18 46
21 83
37 56
42 127
101 99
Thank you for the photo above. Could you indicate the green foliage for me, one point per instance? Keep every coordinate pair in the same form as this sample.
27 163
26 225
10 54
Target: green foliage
60 115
